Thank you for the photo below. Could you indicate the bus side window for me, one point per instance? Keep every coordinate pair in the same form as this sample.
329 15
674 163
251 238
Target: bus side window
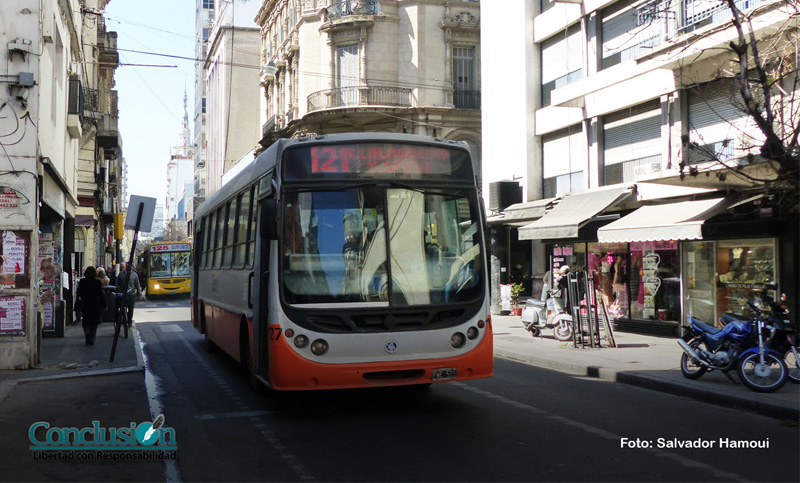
220 236
209 248
230 230
252 232
242 224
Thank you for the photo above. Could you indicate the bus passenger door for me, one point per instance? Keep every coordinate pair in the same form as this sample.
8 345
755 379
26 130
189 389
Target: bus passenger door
260 290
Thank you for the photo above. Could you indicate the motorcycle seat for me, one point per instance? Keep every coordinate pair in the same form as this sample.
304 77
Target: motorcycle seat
535 303
708 329
728 318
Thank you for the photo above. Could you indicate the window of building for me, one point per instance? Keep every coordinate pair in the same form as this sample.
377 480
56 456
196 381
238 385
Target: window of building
632 143
563 159
347 74
466 94
562 60
655 291
716 120
630 31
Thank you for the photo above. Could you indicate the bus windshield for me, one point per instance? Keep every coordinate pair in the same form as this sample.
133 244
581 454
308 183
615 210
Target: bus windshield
398 246
170 264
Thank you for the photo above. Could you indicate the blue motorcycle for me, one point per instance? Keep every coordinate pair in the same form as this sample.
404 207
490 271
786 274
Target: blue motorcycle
740 344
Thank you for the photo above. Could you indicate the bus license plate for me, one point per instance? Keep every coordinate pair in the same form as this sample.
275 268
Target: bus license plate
444 373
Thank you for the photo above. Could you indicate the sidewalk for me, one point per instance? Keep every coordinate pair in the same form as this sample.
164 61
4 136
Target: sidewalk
73 386
645 361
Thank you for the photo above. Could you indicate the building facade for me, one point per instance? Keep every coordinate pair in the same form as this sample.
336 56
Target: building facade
393 65
637 161
231 70
180 169
204 21
60 163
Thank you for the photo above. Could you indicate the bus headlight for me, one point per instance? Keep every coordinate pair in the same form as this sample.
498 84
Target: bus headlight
156 286
472 333
319 347
457 340
300 341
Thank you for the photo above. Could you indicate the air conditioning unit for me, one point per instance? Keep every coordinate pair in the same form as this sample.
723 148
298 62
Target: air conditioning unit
503 194
646 170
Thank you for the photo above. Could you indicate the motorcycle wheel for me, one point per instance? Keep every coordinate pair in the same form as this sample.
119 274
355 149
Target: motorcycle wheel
690 368
534 330
563 330
792 365
768 377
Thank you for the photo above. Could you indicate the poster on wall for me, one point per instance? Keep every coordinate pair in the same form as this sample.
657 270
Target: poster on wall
49 277
14 268
12 314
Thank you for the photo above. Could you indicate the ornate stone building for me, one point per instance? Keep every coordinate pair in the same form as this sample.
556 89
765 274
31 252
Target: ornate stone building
410 66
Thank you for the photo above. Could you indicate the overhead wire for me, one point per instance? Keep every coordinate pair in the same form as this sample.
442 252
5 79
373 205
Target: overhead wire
300 72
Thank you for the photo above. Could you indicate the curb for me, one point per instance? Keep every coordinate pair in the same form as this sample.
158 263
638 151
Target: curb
7 386
655 384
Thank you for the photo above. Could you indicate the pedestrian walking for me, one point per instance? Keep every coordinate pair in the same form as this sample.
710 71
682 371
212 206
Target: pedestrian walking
91 301
101 275
134 289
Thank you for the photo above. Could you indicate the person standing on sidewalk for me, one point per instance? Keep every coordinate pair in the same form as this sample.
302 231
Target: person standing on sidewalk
92 303
134 289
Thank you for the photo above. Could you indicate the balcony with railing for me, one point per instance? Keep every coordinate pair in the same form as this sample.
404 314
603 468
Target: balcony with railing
699 13
359 96
467 99
352 7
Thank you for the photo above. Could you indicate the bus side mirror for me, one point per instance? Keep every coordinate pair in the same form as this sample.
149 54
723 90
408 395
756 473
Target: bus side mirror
268 227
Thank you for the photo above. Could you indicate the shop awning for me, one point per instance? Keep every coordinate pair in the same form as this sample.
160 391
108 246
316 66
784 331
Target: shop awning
84 220
526 212
574 211
673 221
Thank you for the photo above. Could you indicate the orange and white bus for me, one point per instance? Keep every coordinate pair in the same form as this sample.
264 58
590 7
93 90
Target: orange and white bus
345 261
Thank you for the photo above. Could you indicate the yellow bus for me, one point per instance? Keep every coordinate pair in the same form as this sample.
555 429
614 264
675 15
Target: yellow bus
167 268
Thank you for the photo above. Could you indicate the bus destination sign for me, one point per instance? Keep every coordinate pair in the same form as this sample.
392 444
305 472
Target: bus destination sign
406 161
175 247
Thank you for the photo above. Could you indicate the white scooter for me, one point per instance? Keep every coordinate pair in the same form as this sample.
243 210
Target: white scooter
550 313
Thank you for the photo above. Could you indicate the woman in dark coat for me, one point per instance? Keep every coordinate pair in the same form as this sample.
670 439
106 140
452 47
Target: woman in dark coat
93 301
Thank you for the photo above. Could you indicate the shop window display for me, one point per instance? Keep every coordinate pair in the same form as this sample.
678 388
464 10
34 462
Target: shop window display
699 277
572 255
655 280
744 268
608 264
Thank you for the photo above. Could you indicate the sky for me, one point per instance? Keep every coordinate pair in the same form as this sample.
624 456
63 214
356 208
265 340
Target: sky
150 99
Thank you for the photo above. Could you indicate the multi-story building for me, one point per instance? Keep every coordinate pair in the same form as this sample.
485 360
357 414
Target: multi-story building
636 158
231 67
59 160
405 66
180 168
204 21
